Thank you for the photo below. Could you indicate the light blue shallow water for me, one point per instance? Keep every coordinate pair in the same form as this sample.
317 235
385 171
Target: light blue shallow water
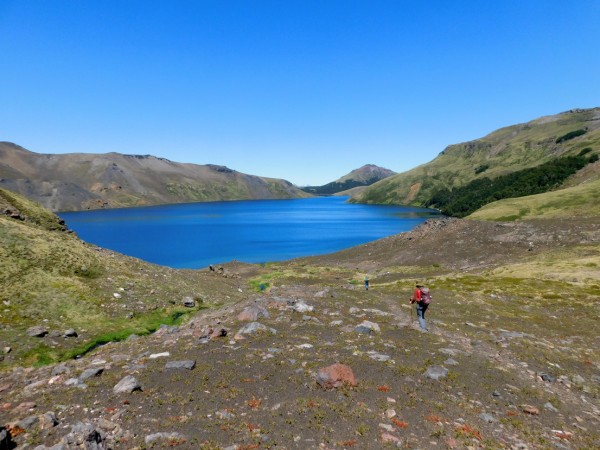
194 235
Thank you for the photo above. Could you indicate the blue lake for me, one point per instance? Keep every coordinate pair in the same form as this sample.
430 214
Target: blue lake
194 235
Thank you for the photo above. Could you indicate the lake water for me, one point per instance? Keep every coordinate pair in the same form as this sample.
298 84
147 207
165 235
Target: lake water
195 235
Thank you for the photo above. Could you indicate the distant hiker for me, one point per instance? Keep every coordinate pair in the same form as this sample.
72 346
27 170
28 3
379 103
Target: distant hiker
367 282
422 298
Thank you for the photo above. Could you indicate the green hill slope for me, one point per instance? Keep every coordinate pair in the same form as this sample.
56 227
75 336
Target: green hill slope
51 279
577 201
504 151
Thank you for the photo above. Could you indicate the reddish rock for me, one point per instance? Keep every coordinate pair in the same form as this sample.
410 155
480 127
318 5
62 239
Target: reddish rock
24 407
387 437
530 410
335 375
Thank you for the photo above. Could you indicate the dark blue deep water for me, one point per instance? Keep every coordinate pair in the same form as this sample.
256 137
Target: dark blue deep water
194 235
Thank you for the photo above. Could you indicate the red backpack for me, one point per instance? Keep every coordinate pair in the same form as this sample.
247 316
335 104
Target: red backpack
425 296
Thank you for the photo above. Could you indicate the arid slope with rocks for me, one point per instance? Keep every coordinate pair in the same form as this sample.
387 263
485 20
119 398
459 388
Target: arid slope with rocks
300 355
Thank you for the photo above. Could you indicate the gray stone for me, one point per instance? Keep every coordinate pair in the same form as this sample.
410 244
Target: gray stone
451 362
367 327
37 331
550 407
448 351
186 364
85 435
547 377
48 420
70 333
89 373
172 437
578 380
302 307
255 327
127 385
379 356
28 422
59 370
252 313
487 417
189 302
436 372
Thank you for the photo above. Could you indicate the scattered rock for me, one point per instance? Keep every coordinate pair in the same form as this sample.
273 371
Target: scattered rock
547 377
127 385
60 369
550 407
28 422
86 436
335 376
48 420
37 331
436 372
252 313
70 333
186 364
159 355
378 356
451 362
252 328
487 417
302 307
89 373
170 439
224 415
578 380
367 327
189 302
530 410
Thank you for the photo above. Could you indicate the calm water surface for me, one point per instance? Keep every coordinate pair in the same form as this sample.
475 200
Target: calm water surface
194 235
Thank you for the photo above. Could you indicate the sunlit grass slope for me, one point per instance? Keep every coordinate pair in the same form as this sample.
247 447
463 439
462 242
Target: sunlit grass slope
50 278
581 200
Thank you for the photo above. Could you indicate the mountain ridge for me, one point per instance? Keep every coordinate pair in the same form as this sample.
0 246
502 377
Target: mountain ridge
77 181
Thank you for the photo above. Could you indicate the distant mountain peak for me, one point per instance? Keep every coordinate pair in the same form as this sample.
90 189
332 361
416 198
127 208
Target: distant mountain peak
363 176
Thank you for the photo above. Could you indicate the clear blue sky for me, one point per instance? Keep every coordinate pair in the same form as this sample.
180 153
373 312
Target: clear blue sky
302 90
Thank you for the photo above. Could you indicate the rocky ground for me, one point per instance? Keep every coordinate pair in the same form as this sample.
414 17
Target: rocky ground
310 359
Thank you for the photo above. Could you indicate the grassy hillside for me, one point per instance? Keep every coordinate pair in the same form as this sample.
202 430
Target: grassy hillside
577 201
50 278
503 151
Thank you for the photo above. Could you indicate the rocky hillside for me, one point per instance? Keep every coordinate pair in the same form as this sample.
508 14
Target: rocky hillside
298 354
80 181
364 176
504 151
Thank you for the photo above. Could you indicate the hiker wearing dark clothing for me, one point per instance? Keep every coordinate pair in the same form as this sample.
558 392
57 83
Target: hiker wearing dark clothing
422 298
367 282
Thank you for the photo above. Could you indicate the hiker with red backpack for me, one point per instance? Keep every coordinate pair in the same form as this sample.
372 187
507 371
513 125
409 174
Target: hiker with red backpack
422 298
